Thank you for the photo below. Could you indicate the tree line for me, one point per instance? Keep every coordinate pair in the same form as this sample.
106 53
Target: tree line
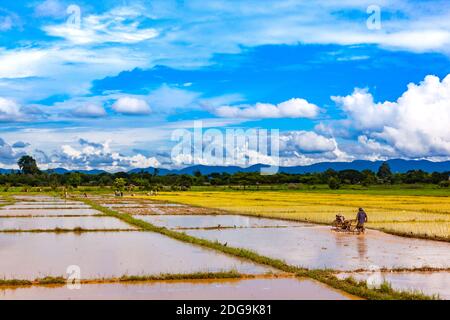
30 175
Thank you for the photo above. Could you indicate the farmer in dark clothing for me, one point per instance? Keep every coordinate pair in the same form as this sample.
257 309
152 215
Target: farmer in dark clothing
361 218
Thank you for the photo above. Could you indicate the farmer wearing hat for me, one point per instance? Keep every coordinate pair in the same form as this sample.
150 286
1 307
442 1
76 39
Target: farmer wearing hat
361 218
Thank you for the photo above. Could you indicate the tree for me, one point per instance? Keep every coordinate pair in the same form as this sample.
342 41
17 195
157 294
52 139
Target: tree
368 177
350 176
119 183
28 165
334 183
384 172
73 179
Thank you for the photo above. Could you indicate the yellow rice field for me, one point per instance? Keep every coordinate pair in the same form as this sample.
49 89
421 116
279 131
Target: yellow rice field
421 216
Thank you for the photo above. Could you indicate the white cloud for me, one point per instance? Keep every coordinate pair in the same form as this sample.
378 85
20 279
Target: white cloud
131 106
98 155
9 20
120 25
364 112
306 141
37 73
9 110
293 108
6 23
166 98
50 8
8 156
416 125
90 110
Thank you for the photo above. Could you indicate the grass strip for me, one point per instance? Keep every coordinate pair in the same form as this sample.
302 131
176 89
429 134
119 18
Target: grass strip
325 276
130 278
190 276
399 270
360 288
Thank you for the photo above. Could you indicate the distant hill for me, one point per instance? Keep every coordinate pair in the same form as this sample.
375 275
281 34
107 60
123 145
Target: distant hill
397 165
63 171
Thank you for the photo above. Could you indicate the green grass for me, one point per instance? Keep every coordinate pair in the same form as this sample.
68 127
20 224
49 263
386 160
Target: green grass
324 276
131 278
15 283
190 276
396 189
22 283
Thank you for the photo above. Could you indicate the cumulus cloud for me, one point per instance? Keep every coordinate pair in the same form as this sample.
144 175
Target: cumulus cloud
8 156
98 155
89 110
9 110
131 106
293 108
306 141
416 125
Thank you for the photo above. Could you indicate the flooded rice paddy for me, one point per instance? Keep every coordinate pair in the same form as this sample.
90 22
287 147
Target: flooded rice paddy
114 254
169 209
107 255
317 247
45 205
50 223
426 282
216 221
248 289
48 212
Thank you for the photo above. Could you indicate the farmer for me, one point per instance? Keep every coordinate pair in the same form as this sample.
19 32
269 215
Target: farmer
361 218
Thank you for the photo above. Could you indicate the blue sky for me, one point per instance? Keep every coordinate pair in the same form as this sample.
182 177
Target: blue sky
104 84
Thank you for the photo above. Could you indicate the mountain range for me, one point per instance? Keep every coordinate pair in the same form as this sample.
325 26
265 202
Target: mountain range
397 166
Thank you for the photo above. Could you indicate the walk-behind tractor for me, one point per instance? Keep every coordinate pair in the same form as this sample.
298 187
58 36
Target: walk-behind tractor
342 225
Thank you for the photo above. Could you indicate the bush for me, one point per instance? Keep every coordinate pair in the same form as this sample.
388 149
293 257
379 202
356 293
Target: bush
444 184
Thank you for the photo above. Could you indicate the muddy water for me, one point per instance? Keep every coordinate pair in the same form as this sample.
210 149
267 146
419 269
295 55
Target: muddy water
123 205
39 205
47 212
44 223
210 221
251 289
99 255
319 247
39 198
170 210
427 282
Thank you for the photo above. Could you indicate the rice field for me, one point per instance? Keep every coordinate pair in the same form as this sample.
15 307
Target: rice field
417 216
114 250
